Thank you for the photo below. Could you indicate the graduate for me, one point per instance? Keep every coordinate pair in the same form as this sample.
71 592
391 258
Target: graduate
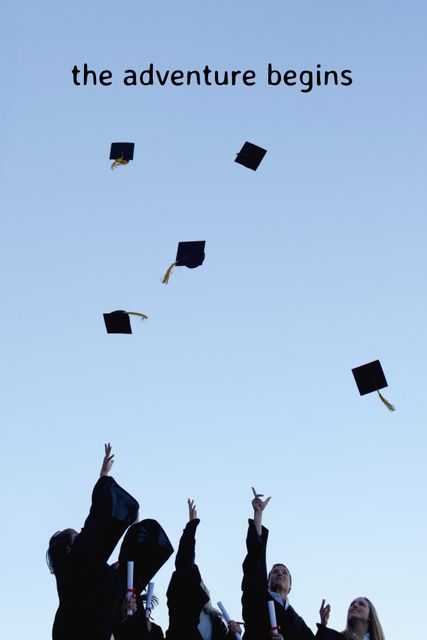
259 589
362 623
90 591
191 614
146 547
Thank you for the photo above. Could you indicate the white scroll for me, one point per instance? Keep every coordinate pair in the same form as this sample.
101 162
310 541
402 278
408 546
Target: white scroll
130 590
273 621
227 618
149 600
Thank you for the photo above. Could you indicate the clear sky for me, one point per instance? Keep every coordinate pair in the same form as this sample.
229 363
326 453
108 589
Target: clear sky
241 376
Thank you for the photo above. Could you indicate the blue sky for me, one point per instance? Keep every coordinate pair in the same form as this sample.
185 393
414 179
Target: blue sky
241 376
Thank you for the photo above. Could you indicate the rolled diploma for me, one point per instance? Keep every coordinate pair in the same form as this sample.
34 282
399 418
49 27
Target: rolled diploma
130 585
227 617
149 600
273 621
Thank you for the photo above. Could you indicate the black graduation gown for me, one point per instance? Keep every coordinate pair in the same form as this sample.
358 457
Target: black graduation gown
148 546
255 596
324 633
185 595
89 590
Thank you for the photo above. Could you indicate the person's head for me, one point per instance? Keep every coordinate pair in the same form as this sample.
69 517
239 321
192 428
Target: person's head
362 612
59 546
280 580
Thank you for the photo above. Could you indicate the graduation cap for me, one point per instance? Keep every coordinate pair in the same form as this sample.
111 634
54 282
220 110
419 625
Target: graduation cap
369 378
250 156
189 254
121 153
147 544
119 322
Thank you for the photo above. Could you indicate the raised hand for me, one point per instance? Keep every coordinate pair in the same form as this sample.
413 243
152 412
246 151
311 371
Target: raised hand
259 506
257 503
324 612
192 511
108 461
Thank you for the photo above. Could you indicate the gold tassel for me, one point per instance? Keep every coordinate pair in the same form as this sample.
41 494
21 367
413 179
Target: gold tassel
118 161
389 406
168 274
135 313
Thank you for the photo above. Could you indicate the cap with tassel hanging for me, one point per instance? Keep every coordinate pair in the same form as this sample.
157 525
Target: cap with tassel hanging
119 322
369 378
189 254
121 153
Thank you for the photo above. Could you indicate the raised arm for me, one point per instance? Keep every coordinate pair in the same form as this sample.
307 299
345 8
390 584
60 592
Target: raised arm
254 583
112 510
185 594
185 556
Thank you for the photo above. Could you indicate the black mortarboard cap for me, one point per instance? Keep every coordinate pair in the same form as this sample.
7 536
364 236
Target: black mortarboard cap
369 378
250 156
122 150
119 322
190 254
147 544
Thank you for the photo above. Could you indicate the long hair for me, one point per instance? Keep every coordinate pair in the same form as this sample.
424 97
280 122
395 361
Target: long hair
59 546
375 629
208 606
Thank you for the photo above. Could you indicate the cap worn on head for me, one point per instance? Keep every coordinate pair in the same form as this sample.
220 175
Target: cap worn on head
119 322
250 156
189 254
121 153
369 378
147 544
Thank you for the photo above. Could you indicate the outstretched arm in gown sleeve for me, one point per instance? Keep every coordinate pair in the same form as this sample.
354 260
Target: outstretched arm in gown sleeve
112 510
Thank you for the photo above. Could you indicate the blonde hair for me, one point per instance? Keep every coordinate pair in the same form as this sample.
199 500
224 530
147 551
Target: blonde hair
375 629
